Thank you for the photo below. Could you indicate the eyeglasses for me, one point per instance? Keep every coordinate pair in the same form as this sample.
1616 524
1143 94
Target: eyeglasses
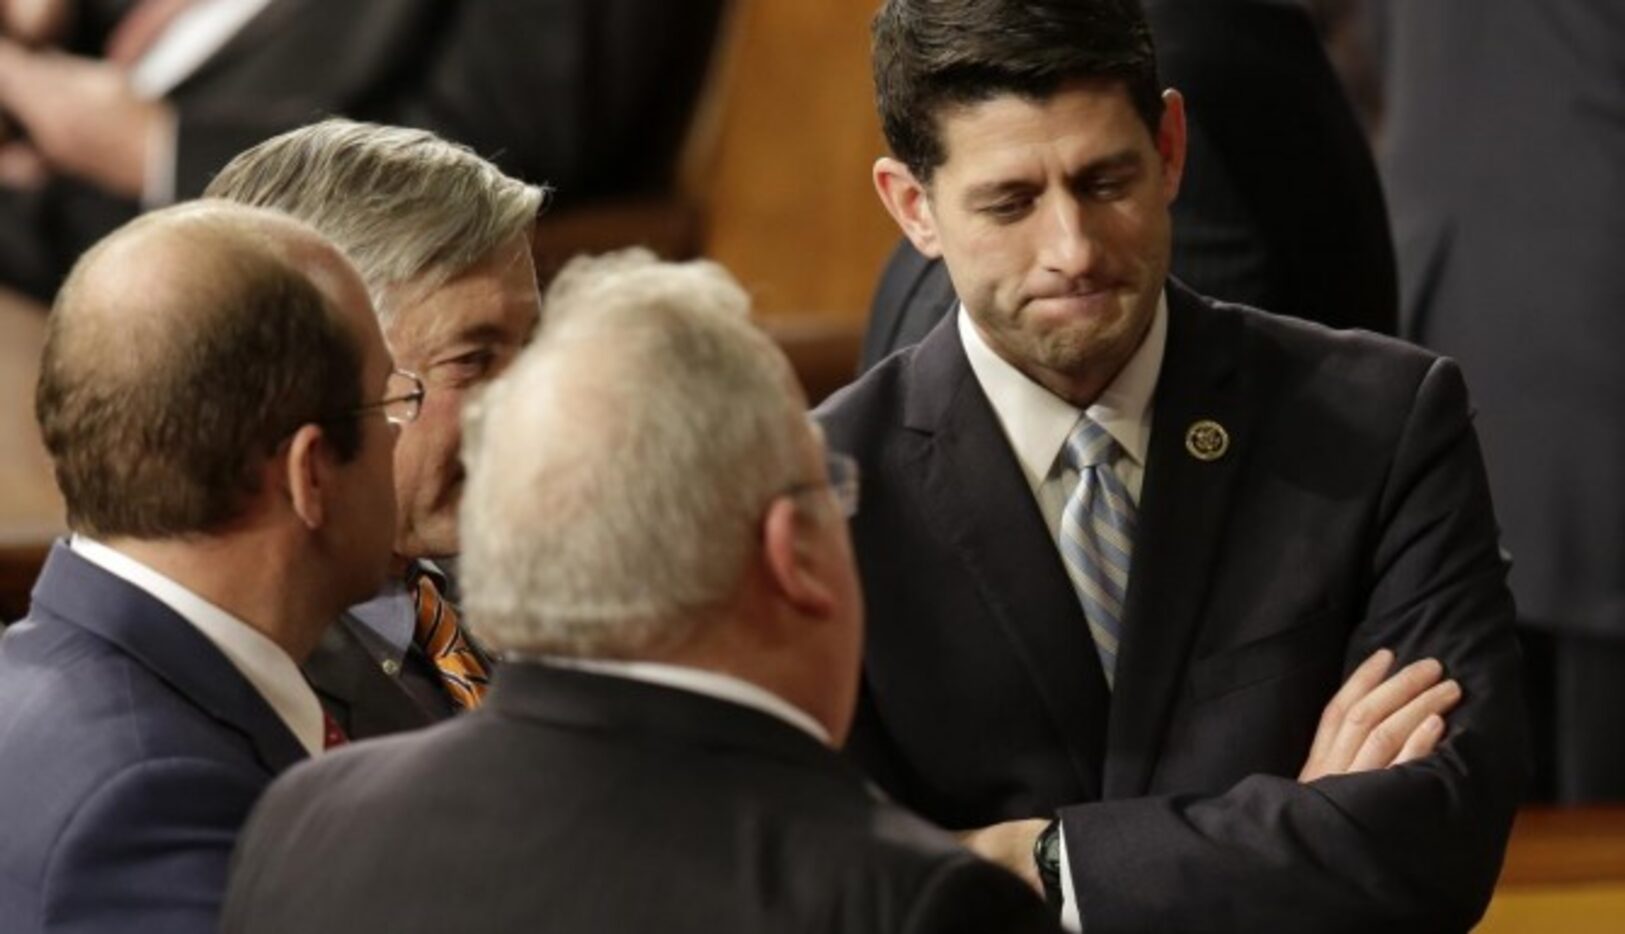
841 479
402 401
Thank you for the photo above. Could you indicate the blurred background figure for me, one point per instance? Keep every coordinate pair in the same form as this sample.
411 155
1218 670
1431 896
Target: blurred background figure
656 538
1280 207
116 104
1504 137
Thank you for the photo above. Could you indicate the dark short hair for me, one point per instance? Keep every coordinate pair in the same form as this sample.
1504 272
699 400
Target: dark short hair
932 54
165 435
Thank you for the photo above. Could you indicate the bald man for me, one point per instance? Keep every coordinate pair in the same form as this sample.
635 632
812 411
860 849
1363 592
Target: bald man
217 401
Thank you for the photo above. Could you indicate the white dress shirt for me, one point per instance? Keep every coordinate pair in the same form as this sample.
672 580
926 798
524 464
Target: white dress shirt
710 683
262 662
1036 422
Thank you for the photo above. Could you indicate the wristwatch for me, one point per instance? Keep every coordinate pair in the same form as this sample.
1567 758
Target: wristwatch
1047 857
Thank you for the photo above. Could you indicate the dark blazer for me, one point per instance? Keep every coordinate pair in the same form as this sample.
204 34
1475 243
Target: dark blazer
1349 513
366 699
130 753
592 96
1280 207
1521 280
581 802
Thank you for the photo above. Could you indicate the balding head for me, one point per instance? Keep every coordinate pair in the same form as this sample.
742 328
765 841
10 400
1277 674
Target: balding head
181 351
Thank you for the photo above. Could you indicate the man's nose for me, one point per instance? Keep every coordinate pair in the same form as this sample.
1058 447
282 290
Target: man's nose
1068 248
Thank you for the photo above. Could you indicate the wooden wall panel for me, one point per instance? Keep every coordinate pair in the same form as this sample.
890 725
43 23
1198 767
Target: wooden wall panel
785 179
30 508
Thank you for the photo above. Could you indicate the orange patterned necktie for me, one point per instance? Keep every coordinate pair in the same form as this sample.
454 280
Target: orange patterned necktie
463 672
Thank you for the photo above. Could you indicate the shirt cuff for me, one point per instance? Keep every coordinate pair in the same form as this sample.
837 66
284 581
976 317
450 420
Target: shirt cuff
1071 918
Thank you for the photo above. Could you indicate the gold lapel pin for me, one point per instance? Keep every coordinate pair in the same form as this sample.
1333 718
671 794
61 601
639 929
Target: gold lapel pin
1207 440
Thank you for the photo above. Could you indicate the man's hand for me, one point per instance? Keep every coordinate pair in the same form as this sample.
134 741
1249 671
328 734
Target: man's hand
80 115
1009 844
1376 721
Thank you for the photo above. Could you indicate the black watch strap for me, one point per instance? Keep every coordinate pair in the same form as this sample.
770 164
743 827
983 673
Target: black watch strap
1047 857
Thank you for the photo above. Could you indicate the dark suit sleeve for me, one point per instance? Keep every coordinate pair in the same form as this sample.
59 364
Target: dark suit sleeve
148 851
298 62
914 293
1416 847
592 96
969 896
1281 206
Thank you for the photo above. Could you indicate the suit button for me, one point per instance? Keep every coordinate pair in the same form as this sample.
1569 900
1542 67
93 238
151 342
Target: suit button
392 667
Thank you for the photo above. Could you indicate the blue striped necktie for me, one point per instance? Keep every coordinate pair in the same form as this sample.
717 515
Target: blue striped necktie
1097 536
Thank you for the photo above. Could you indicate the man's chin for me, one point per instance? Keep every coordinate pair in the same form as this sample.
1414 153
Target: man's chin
429 543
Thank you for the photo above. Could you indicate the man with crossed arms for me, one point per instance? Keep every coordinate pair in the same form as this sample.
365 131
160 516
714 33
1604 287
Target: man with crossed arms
1123 542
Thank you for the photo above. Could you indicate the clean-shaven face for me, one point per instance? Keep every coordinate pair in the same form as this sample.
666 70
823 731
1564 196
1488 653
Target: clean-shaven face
1052 216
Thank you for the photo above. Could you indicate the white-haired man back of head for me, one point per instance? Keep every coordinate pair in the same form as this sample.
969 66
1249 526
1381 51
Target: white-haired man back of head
644 484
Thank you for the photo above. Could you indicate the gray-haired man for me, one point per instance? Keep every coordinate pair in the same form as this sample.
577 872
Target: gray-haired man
442 239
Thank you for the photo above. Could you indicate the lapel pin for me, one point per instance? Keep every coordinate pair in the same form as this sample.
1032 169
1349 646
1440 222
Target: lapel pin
1206 440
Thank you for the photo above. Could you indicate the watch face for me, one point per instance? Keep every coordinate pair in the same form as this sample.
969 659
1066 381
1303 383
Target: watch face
1049 846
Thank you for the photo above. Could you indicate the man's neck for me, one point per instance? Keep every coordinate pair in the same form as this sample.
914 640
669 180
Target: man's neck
246 577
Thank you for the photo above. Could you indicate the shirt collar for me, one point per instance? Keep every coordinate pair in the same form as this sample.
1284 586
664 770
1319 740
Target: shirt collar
392 613
710 683
260 661
1037 422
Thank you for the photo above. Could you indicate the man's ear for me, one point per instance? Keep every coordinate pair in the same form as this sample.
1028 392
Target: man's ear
792 562
908 202
308 474
1171 143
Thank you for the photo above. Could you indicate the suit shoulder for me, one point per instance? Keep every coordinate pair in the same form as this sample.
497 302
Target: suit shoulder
872 402
1340 367
57 681
1312 340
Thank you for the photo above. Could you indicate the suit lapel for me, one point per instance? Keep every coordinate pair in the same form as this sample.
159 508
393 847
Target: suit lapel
79 593
1182 512
348 678
974 493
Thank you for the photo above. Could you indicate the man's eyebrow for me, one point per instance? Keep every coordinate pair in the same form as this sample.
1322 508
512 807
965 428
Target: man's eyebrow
482 333
1116 162
991 191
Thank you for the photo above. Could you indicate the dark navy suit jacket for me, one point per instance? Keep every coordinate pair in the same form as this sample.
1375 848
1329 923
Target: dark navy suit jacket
130 753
